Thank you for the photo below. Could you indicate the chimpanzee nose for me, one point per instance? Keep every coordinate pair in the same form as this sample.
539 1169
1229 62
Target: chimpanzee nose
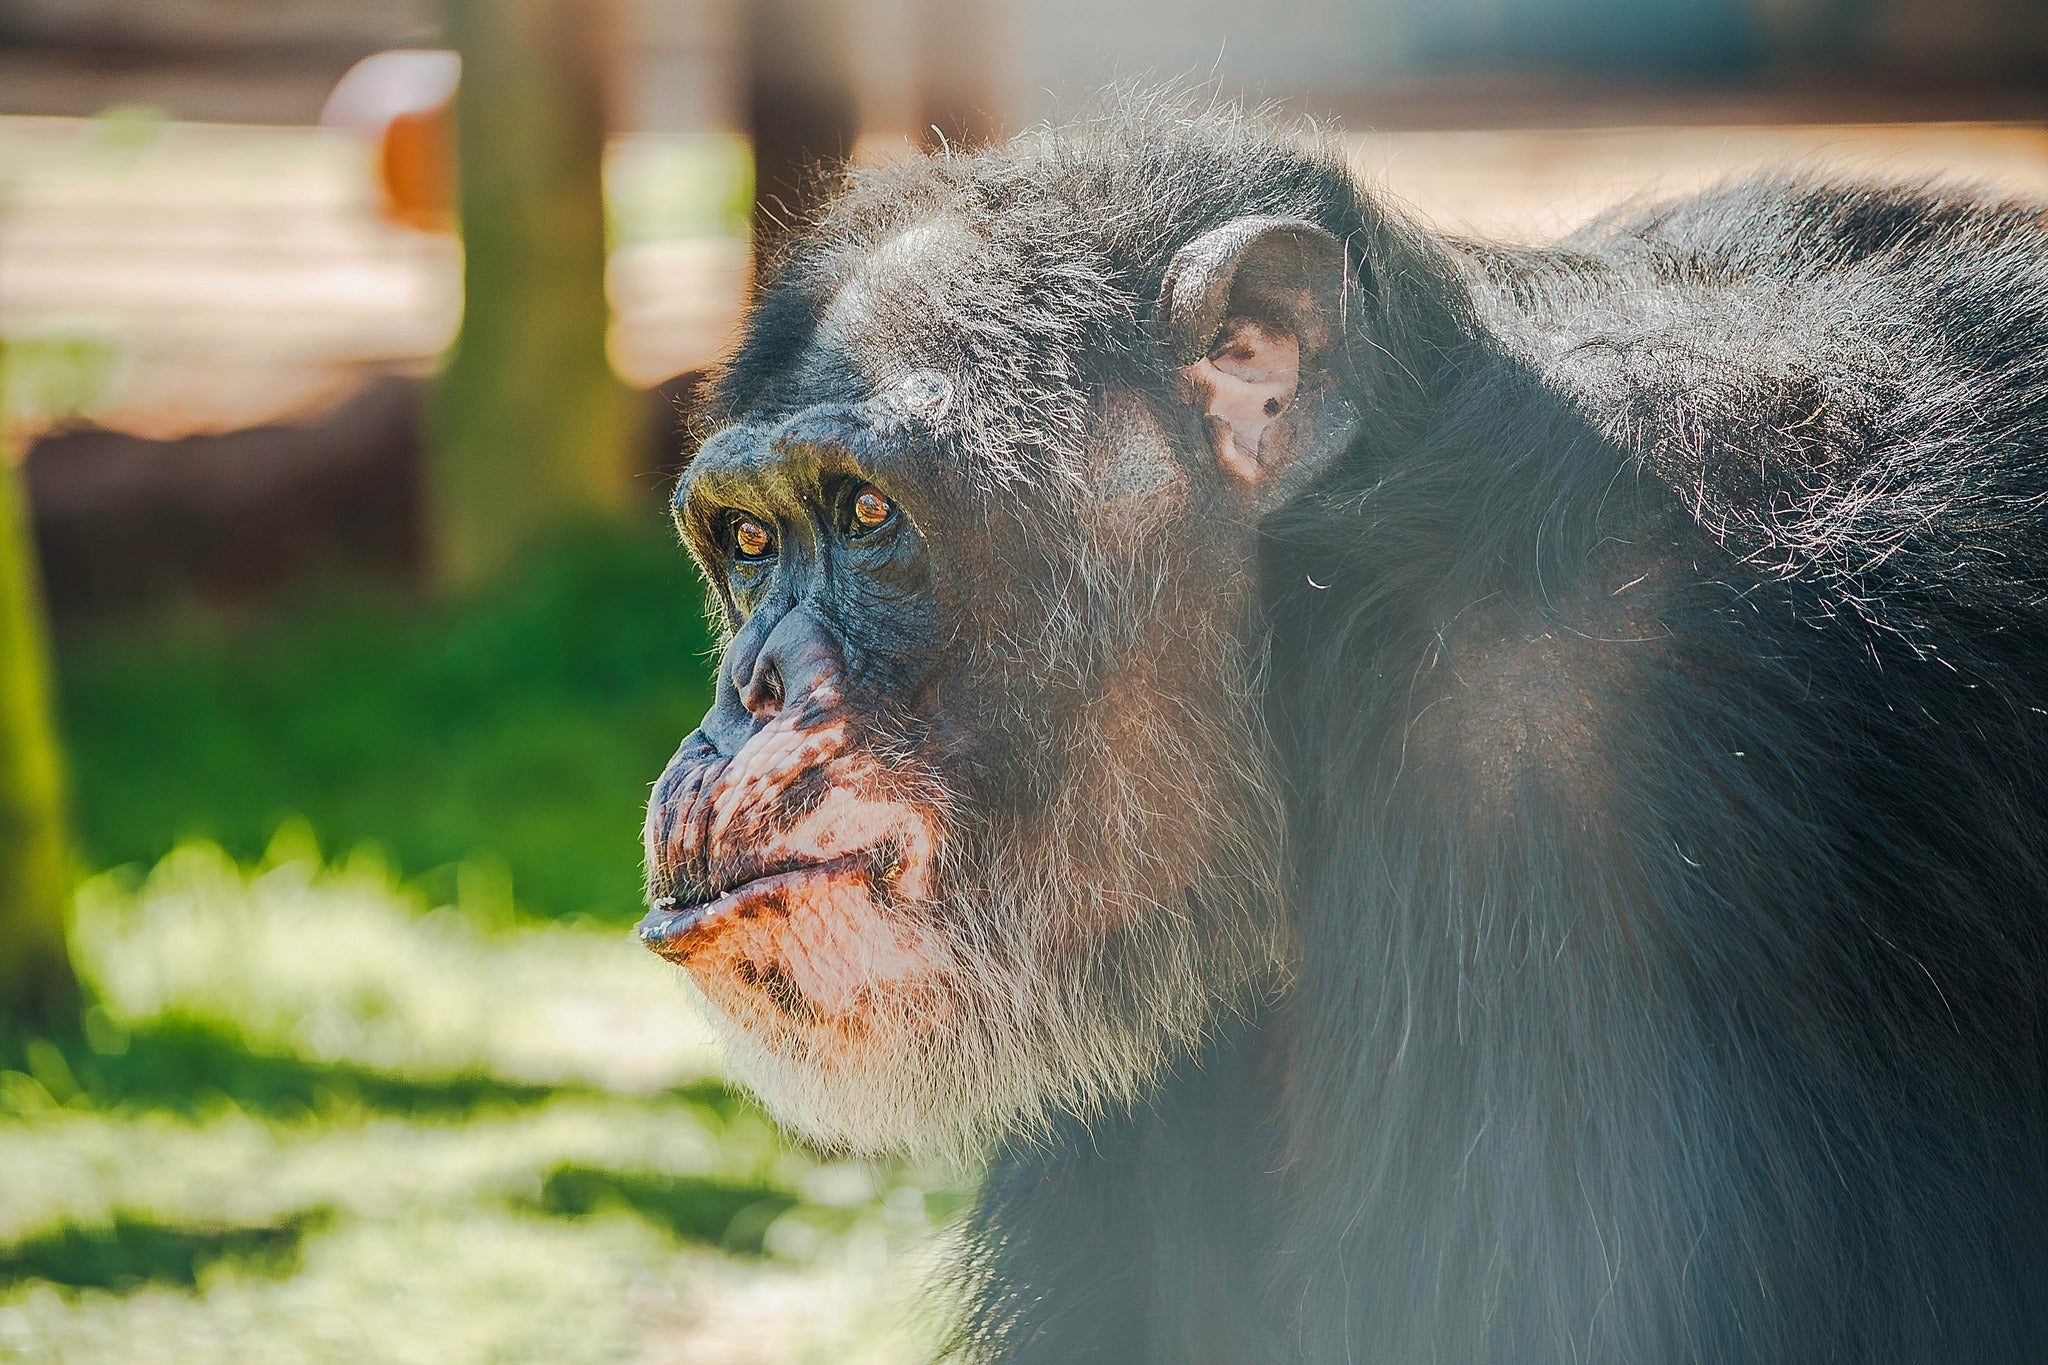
795 661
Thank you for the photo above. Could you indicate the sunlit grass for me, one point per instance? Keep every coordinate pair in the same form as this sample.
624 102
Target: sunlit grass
340 965
314 1119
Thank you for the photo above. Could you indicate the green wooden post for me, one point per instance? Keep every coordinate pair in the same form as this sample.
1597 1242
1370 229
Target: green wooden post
38 992
531 427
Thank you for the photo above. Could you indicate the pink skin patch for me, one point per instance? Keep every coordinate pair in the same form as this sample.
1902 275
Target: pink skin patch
798 866
1250 379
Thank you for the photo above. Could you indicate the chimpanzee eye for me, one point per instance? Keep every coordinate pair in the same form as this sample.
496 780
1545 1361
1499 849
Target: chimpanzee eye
751 539
871 509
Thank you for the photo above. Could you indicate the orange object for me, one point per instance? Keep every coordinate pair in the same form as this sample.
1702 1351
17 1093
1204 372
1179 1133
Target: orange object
405 99
415 169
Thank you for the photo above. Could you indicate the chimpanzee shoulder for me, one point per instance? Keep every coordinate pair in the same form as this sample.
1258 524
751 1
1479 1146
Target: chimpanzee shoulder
1824 397
1841 382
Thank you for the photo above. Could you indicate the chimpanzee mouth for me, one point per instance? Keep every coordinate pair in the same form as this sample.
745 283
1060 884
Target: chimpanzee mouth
676 930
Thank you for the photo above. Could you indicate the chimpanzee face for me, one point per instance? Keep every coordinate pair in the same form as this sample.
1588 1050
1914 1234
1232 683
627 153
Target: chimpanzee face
980 823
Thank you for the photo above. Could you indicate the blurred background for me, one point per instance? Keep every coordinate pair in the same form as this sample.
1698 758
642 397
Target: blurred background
346 348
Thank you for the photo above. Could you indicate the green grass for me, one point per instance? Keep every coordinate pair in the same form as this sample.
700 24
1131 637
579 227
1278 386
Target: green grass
128 1251
312 1118
514 734
196 1067
721 1213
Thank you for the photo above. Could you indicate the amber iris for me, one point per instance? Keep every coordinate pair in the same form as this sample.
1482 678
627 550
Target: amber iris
751 538
870 508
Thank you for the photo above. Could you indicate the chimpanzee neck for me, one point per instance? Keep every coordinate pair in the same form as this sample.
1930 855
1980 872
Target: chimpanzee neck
1147 1236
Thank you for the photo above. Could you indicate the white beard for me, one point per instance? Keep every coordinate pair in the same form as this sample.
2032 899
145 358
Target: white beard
1069 991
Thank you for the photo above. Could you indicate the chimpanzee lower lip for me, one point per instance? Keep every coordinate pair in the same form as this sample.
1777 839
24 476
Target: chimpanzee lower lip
672 930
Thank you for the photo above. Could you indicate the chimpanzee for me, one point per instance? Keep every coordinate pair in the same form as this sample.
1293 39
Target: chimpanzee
1428 801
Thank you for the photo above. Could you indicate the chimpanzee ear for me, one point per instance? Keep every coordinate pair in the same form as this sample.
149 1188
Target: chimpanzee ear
1253 316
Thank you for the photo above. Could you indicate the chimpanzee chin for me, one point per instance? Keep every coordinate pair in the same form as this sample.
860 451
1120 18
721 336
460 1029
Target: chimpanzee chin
1420 800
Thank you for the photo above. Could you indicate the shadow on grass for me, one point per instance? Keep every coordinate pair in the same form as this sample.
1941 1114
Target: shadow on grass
189 1066
730 1216
130 1251
718 1099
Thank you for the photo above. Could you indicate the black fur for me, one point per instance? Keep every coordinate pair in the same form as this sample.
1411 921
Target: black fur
1662 685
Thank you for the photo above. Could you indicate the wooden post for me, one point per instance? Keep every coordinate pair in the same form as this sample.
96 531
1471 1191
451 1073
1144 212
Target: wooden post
38 992
531 428
800 112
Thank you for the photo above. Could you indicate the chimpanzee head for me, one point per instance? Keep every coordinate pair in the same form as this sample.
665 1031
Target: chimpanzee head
983 823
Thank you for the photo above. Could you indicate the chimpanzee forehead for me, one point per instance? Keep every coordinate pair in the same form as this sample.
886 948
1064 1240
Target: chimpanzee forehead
903 300
936 295
851 318
947 293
